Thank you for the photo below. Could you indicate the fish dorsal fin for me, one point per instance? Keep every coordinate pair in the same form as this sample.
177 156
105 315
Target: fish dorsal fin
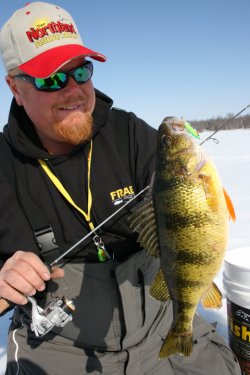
142 220
229 205
159 289
212 297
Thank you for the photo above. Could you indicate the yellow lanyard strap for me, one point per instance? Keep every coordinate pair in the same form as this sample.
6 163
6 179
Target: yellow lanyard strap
64 192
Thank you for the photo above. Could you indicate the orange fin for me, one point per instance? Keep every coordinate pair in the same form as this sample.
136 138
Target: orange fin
212 297
159 289
229 205
177 344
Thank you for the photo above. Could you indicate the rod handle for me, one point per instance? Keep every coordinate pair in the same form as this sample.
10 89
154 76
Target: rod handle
4 305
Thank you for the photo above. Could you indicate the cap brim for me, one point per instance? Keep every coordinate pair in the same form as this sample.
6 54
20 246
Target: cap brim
48 62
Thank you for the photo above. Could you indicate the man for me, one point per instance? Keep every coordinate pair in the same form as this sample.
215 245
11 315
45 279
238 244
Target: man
71 161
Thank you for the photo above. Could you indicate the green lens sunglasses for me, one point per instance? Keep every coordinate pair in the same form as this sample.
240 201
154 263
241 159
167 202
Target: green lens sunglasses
59 80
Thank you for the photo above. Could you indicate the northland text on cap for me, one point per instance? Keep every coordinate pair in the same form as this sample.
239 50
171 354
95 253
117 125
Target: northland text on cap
40 38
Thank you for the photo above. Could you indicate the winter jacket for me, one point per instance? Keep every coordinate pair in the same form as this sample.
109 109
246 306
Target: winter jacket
112 183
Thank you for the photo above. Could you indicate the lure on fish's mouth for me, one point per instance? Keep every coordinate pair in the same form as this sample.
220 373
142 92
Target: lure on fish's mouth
191 130
180 124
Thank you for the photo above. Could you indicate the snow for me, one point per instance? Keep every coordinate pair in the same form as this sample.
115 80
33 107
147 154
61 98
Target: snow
232 158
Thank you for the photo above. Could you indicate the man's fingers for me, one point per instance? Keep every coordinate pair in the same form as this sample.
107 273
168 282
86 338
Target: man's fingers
23 275
12 295
19 282
34 261
57 273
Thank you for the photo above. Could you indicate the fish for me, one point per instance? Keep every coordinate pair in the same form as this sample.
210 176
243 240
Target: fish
183 220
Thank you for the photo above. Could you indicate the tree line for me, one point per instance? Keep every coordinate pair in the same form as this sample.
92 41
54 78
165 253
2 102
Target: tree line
241 122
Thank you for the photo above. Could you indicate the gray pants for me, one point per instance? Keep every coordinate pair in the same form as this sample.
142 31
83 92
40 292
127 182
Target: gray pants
118 328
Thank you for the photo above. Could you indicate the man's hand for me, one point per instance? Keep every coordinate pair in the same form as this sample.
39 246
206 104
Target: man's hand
23 275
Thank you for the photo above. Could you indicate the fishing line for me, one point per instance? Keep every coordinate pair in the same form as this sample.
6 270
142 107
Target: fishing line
222 126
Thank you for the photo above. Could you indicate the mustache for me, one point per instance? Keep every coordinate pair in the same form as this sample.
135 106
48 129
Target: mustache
71 101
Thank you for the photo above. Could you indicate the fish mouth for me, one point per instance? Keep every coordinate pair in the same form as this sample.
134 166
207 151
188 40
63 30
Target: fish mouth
174 122
174 126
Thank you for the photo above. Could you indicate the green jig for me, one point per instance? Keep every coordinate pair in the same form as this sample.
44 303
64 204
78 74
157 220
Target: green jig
191 130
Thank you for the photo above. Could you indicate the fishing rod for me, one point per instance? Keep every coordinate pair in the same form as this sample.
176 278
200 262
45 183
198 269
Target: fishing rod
222 126
56 261
58 312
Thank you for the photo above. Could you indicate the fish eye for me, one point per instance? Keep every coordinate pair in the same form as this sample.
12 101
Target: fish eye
166 140
169 140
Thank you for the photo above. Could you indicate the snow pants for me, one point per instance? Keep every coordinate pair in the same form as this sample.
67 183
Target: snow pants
117 328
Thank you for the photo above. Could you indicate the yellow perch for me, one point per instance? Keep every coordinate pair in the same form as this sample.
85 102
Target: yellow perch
184 222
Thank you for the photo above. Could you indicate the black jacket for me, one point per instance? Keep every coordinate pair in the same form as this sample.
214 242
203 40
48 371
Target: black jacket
112 180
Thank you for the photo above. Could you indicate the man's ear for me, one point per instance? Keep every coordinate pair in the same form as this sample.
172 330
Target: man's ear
11 82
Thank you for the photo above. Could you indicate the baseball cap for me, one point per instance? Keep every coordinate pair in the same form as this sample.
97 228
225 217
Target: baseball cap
40 38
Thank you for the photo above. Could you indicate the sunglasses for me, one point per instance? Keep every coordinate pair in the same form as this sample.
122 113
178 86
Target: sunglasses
59 80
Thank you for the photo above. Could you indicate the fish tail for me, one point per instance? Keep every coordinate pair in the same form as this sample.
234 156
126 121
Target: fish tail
177 344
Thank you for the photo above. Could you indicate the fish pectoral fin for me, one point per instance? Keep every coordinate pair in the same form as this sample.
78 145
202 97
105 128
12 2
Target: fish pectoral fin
212 297
142 220
159 289
230 206
177 344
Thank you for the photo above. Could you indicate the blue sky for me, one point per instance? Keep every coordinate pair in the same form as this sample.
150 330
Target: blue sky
185 58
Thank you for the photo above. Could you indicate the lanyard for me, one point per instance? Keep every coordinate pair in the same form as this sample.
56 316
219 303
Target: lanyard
102 253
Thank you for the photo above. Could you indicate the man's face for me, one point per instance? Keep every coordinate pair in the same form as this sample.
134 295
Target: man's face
63 116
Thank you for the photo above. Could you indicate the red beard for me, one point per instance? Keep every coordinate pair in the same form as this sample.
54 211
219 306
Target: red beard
76 132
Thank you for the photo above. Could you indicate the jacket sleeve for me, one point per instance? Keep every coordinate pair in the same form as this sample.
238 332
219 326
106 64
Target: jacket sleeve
142 151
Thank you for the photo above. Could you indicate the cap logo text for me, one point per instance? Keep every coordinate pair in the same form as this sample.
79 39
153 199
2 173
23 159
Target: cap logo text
51 28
